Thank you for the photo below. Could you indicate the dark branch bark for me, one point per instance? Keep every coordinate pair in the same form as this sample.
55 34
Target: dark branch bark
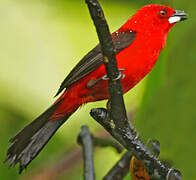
115 120
85 140
120 169
118 111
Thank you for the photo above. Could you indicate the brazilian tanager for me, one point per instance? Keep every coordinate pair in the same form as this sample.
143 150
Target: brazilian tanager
138 44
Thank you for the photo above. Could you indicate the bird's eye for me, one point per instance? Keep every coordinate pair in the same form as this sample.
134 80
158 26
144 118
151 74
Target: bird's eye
162 13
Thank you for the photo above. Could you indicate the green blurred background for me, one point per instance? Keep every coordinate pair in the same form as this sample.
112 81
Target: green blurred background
41 40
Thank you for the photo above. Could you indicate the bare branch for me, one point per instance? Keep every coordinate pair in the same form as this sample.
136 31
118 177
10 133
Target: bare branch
120 169
115 120
85 140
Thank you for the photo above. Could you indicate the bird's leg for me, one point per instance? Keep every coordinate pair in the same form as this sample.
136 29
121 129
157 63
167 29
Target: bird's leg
121 75
92 82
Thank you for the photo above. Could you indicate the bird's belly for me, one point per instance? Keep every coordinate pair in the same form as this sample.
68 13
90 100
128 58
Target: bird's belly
136 66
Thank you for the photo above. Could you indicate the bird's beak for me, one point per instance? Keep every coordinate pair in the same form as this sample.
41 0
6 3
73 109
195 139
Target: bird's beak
178 16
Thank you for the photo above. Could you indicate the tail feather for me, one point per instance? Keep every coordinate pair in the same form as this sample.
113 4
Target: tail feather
27 144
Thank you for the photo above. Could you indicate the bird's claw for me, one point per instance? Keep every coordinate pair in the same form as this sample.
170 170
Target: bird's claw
120 75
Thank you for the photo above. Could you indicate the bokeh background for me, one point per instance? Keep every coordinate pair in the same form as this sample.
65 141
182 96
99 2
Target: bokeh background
41 40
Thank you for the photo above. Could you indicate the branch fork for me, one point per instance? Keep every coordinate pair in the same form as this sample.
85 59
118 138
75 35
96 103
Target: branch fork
115 120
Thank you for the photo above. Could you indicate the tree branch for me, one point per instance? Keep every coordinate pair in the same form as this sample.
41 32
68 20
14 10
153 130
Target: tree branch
115 120
120 169
85 140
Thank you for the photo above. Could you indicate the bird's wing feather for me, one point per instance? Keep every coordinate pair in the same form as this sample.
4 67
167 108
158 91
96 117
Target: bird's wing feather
94 58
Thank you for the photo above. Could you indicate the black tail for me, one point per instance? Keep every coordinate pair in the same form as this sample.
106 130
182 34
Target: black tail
27 144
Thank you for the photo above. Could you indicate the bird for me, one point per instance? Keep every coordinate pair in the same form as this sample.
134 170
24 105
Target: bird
138 43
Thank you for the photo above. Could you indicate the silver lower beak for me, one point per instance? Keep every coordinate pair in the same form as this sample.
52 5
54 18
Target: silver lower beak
178 16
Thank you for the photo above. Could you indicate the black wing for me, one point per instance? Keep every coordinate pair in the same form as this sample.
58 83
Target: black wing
94 59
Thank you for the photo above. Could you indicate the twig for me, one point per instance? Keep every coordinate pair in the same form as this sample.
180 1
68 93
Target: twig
118 111
120 169
115 121
85 140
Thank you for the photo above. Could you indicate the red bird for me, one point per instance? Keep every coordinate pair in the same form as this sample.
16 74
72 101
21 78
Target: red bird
138 44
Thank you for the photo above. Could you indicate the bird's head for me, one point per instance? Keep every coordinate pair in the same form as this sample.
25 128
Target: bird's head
154 18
